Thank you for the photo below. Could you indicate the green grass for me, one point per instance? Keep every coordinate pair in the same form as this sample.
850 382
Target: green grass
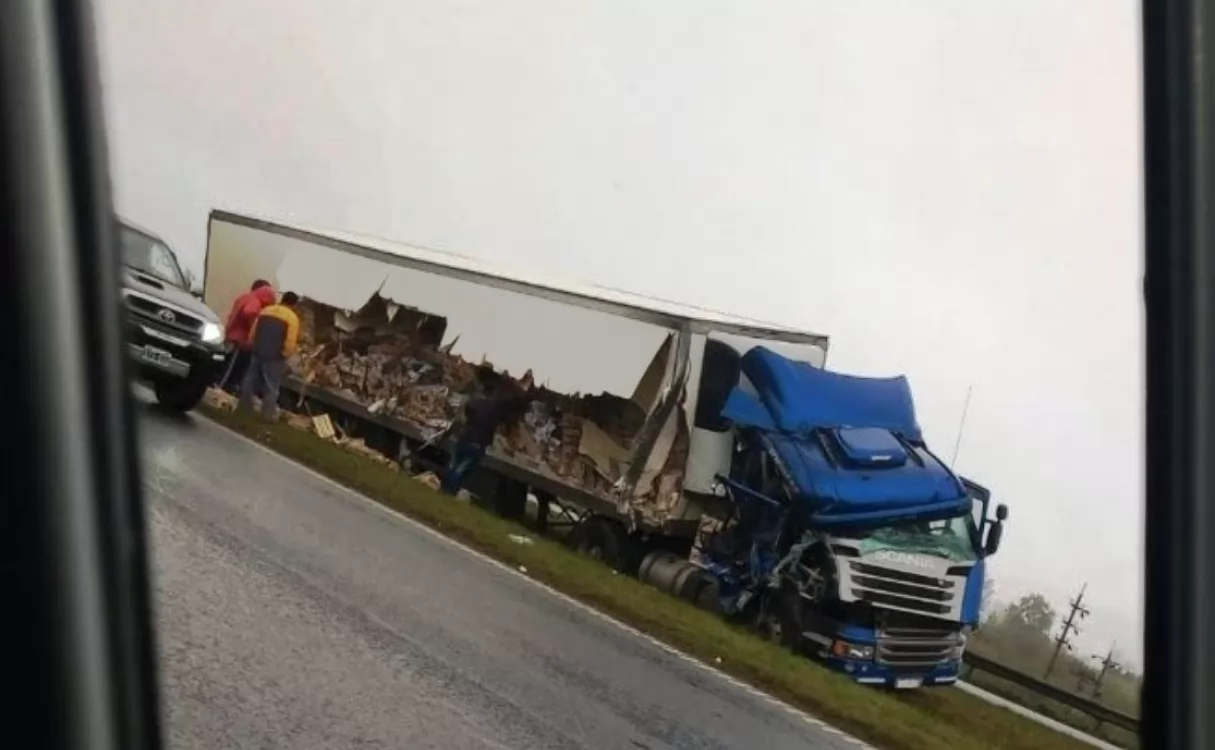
920 720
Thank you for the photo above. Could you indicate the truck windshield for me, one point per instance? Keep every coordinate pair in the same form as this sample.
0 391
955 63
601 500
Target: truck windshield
951 539
151 256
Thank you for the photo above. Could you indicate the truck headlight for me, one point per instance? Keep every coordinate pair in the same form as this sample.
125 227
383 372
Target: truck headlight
960 649
846 650
212 333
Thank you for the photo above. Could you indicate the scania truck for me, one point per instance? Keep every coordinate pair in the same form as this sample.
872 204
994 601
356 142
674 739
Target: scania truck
754 482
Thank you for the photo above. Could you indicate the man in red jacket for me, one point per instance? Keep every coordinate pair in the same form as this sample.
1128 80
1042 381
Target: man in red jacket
244 312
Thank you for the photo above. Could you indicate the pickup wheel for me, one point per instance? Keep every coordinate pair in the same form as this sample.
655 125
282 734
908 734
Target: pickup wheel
606 540
179 395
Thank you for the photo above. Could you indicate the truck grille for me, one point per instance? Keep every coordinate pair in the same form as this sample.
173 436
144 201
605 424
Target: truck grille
147 310
906 647
902 590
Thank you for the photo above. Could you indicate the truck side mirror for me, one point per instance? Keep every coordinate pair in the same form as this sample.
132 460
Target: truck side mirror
993 537
1001 512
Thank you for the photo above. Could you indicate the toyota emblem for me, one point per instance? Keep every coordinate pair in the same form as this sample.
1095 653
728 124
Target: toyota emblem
167 316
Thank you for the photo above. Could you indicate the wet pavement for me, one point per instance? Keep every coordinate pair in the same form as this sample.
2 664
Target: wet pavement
294 614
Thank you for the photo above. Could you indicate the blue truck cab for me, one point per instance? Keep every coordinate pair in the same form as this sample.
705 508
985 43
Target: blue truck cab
844 536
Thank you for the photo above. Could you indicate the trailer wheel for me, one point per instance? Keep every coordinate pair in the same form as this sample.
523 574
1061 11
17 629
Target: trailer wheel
606 540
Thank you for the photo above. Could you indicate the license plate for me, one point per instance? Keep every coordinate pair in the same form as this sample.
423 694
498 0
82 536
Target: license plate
156 356
908 683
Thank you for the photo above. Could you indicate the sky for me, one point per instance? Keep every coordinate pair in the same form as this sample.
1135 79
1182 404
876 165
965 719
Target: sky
950 190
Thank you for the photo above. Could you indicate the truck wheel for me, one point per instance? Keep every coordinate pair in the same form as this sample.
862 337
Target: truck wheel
778 630
782 623
605 540
179 395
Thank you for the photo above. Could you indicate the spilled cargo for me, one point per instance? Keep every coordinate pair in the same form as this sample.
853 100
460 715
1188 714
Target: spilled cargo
392 360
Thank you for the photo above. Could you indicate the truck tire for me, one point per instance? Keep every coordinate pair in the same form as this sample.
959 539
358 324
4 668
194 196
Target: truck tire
606 540
179 396
782 623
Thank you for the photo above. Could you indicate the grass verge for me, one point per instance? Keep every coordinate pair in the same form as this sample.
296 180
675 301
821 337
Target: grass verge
920 720
1057 711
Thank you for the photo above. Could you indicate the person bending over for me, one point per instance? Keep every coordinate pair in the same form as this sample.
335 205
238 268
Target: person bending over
505 404
272 341
236 332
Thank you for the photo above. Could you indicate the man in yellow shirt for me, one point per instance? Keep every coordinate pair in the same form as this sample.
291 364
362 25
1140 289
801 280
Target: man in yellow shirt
272 340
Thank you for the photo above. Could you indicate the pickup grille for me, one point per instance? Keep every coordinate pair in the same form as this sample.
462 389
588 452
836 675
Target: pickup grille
148 310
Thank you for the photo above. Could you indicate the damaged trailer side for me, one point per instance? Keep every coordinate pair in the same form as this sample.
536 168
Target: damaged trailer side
403 336
605 445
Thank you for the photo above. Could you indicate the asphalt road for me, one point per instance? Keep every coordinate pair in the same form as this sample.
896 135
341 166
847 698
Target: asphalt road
293 614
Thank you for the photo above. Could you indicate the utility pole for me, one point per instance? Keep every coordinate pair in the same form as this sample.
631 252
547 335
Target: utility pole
957 444
1107 664
1068 629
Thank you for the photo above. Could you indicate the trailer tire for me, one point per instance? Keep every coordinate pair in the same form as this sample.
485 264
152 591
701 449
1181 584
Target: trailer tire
606 540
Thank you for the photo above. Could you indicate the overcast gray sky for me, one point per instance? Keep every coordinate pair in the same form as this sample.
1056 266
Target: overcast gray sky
951 190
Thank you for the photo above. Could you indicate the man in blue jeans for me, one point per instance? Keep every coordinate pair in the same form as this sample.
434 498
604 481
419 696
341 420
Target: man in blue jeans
274 338
482 416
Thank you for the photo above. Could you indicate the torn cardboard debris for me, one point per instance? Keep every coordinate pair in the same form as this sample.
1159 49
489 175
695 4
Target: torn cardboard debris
391 358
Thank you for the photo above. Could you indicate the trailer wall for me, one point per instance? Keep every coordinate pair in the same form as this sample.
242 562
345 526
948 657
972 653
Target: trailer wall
569 349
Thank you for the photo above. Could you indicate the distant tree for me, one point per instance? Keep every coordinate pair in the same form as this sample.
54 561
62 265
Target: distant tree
1031 612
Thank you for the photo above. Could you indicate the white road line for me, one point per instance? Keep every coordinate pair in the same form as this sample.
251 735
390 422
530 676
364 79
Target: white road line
793 711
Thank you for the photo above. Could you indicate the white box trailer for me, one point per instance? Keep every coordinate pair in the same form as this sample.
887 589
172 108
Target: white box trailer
678 361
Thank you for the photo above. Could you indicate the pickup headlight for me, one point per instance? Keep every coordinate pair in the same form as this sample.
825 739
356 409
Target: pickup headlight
212 333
